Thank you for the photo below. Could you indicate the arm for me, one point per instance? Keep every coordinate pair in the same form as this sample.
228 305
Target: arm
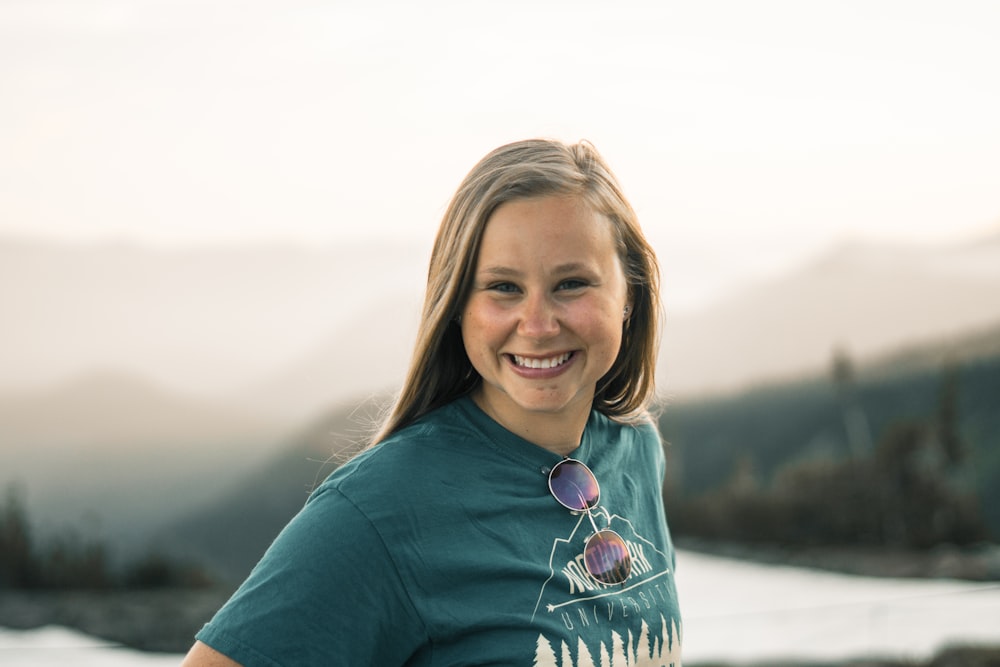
202 655
326 592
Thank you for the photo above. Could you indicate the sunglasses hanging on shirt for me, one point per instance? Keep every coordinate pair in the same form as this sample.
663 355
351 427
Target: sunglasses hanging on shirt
605 553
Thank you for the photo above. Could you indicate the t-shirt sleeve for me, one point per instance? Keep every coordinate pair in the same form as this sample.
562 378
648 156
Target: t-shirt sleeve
326 593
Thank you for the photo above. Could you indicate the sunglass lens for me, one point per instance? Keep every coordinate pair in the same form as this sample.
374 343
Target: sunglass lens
573 485
607 558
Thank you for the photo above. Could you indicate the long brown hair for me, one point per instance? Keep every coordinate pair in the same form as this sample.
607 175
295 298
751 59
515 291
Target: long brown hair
439 370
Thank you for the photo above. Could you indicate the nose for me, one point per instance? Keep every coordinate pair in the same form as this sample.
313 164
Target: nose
538 318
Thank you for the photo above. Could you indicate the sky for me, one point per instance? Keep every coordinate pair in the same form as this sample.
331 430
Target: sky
750 137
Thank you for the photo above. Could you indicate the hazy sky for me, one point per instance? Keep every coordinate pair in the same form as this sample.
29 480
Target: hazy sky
748 135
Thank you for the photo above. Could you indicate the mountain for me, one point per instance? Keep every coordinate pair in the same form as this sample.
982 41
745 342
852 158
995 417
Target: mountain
924 419
207 321
115 450
964 348
230 534
864 299
369 354
289 330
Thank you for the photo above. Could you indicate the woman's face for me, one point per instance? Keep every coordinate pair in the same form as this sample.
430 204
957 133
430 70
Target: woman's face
543 322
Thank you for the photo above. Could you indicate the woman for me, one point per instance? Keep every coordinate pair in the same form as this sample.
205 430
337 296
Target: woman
474 530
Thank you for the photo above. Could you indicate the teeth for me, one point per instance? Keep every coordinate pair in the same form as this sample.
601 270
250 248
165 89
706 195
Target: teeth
551 362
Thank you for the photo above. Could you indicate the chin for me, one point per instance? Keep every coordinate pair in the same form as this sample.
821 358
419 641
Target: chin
551 406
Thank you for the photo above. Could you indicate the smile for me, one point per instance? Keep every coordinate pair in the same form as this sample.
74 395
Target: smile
550 362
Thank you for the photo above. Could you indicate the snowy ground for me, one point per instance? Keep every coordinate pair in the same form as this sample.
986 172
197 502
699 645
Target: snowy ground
734 612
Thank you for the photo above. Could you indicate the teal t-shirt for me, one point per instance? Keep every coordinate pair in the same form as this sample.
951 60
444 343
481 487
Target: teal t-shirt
443 546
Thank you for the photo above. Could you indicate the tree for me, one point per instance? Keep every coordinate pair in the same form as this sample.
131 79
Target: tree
948 417
859 435
18 568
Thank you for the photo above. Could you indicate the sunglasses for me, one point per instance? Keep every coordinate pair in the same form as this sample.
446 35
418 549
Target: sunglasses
605 554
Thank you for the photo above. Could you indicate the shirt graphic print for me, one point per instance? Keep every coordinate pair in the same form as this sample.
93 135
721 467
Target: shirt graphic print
633 624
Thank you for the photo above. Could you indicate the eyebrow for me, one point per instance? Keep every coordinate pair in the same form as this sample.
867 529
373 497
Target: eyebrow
506 271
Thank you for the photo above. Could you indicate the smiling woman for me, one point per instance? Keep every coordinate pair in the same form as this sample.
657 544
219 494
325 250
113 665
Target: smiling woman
526 397
543 322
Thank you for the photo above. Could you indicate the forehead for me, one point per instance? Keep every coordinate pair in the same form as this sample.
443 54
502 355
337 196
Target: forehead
551 226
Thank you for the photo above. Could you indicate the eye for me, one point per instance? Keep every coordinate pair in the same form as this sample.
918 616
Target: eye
572 284
504 288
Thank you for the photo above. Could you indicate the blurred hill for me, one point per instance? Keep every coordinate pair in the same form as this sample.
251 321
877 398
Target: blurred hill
206 321
223 357
231 533
899 452
275 325
367 354
122 453
866 299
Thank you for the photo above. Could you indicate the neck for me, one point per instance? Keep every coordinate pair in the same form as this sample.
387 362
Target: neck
558 433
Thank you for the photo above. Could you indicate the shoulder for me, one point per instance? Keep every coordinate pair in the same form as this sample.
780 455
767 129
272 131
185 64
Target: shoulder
409 461
640 432
442 431
635 446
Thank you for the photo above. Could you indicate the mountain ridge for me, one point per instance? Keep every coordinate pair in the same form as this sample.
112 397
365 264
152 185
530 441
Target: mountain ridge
203 324
202 320
123 451
864 299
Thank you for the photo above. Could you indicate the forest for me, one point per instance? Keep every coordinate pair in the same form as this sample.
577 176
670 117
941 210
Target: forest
76 560
901 458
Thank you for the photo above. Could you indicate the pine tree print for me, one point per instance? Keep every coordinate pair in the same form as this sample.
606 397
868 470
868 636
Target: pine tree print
567 659
583 658
643 651
618 658
646 650
544 655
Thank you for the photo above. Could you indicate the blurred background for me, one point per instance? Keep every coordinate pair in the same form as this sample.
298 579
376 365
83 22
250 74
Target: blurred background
215 219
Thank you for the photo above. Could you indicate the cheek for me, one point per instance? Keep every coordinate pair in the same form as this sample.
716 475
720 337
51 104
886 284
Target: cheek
482 326
599 325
